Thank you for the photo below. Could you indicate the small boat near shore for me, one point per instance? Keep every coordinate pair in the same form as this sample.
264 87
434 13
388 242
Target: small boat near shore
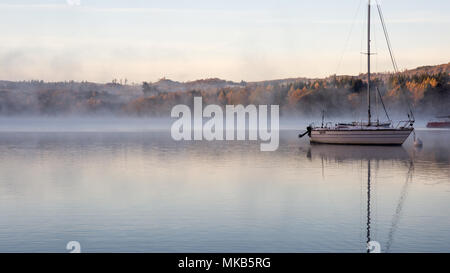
439 122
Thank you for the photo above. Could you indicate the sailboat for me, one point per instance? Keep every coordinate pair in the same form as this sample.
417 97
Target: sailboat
364 133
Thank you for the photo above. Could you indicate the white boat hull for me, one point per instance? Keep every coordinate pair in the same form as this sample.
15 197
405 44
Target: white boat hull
360 136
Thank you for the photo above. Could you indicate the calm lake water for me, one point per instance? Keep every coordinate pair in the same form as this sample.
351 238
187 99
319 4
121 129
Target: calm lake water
140 191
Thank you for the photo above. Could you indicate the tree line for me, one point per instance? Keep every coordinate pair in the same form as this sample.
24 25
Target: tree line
338 95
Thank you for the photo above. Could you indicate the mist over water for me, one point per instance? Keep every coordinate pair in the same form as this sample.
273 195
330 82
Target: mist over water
124 185
83 124
146 124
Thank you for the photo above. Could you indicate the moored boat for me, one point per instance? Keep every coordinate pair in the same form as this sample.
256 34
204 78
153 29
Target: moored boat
439 122
370 132
369 135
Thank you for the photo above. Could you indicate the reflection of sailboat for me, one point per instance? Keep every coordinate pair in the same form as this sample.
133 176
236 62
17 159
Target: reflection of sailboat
369 154
397 214
396 217
358 152
370 132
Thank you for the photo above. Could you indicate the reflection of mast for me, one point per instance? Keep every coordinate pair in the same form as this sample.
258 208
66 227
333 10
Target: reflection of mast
323 173
399 208
368 204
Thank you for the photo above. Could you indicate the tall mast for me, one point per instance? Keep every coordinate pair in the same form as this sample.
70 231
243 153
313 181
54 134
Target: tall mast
368 63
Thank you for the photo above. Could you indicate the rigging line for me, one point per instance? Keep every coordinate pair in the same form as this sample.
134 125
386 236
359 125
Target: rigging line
391 53
348 38
361 47
375 32
388 41
386 35
382 103
362 39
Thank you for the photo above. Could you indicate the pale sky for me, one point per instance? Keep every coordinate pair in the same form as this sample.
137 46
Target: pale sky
98 40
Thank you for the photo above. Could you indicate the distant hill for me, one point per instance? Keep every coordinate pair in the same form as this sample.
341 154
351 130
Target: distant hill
429 69
167 85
